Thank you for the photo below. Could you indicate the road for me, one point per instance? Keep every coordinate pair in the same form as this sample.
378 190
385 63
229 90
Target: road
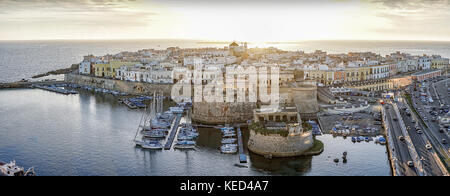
400 147
429 162
424 108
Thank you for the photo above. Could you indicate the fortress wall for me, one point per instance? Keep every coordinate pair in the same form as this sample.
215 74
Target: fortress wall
279 146
119 85
221 112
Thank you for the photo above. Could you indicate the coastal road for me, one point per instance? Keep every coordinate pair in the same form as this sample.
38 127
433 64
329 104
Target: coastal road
424 108
429 162
400 147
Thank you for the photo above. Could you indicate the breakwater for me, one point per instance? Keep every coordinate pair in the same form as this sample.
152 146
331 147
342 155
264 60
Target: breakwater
26 84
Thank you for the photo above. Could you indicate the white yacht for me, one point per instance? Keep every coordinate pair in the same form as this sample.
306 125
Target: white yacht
228 149
150 144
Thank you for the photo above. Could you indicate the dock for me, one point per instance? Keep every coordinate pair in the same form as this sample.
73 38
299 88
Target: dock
242 156
55 89
173 133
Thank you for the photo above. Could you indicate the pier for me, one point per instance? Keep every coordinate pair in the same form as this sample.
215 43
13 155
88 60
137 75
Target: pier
55 89
27 84
173 133
242 156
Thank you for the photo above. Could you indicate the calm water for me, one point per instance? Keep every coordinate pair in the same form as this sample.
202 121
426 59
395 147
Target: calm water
89 134
23 59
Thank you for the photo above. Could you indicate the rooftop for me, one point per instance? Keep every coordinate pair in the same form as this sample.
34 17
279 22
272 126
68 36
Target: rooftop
426 72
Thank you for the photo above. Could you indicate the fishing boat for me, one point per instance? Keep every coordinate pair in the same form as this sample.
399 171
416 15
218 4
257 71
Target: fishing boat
11 169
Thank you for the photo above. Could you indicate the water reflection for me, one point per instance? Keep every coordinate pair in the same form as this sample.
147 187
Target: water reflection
282 166
92 134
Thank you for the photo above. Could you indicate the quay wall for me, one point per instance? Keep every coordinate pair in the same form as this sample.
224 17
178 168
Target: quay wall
279 146
26 84
222 112
137 88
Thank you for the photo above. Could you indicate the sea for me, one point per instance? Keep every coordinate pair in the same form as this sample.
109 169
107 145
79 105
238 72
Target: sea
92 134
24 59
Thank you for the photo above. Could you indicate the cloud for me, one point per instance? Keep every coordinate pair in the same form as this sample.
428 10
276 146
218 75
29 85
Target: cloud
75 12
412 4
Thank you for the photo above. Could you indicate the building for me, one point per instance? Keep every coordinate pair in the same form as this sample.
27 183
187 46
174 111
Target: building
379 71
109 70
426 74
140 73
439 63
84 68
424 62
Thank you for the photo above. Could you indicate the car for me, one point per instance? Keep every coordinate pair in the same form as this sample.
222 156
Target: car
408 128
401 138
428 146
395 118
410 164
444 141
441 130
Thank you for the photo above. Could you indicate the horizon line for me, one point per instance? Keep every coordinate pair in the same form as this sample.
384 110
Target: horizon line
227 41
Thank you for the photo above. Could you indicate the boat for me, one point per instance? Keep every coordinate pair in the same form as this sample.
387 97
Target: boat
185 144
229 140
176 110
382 140
11 169
154 134
230 135
226 129
361 138
150 144
185 137
228 149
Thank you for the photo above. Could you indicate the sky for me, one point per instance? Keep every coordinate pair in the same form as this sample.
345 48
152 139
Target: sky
225 20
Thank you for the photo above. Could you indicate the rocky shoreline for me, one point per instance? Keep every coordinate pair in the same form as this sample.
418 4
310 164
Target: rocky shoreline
72 68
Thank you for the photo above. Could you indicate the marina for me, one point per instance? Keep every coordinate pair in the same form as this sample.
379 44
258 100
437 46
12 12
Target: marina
97 148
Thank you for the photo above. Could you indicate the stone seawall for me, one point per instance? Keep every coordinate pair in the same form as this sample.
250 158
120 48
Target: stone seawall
137 88
222 112
279 146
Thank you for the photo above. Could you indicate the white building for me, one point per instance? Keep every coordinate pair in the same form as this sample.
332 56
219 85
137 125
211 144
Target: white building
85 68
379 72
424 62
140 73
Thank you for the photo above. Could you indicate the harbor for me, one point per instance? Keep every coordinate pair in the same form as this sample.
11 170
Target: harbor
102 132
